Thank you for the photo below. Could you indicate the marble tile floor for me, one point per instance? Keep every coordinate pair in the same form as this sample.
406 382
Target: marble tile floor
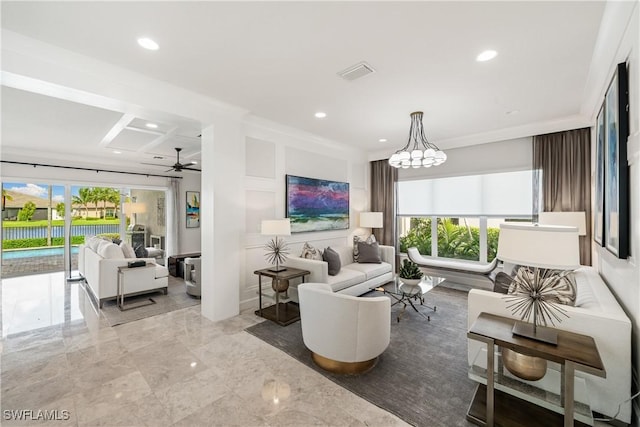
177 369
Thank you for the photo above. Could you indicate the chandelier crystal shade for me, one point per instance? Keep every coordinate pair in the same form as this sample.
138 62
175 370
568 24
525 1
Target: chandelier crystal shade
418 152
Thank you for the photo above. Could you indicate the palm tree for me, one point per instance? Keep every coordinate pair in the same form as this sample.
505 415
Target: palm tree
113 196
82 199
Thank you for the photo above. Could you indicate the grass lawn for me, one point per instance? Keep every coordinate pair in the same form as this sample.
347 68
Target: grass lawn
43 223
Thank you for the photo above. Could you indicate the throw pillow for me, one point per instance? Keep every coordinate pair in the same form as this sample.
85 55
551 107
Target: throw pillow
502 282
141 252
127 250
559 285
333 260
369 253
357 239
309 252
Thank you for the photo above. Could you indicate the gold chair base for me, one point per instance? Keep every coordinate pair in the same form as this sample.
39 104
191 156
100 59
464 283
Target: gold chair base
352 368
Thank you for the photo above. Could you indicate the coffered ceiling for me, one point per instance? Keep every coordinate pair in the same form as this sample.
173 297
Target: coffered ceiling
279 61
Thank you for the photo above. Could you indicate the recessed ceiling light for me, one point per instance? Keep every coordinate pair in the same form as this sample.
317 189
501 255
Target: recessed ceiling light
382 140
487 55
320 115
152 126
117 152
147 43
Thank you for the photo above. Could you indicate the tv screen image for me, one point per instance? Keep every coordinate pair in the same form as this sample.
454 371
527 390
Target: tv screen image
317 204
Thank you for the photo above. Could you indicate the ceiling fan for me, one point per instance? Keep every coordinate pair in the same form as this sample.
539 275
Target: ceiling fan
177 166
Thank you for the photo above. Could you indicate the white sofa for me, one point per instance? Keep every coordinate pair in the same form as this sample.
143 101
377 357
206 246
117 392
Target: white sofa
352 338
354 278
597 314
98 262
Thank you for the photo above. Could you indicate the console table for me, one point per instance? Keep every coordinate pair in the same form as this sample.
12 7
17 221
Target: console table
290 310
573 352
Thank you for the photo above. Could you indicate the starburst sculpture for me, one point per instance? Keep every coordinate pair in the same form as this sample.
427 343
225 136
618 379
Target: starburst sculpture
536 295
277 252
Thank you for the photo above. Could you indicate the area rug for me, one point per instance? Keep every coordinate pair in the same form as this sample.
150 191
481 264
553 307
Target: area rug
421 377
176 299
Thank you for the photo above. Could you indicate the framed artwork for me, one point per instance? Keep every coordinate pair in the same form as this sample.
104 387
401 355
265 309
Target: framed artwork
598 223
316 204
193 209
616 169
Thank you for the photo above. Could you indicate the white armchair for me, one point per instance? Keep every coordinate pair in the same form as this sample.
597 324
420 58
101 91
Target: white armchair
345 334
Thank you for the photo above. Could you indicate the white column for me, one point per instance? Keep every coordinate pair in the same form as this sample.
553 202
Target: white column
222 221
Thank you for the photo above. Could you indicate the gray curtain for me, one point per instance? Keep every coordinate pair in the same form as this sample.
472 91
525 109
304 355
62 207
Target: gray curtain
383 199
564 158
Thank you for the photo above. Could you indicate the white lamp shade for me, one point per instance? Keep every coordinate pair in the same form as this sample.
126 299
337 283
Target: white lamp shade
371 219
570 219
134 208
276 227
543 246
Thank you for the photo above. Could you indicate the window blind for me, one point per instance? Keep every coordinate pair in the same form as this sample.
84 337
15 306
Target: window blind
494 194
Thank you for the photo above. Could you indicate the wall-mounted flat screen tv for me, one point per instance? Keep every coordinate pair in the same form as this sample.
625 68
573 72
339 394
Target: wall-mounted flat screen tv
317 204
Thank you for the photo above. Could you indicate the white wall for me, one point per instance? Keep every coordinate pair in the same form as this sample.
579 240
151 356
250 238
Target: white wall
273 151
619 41
189 238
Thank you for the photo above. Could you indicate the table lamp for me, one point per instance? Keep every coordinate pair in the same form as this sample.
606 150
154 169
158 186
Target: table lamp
277 249
371 220
569 219
541 247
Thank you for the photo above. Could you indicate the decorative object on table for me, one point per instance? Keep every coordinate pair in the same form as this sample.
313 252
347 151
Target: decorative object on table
193 209
316 204
616 169
418 152
542 248
277 249
410 273
371 220
536 291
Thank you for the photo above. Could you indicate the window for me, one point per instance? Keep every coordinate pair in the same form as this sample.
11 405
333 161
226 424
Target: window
459 217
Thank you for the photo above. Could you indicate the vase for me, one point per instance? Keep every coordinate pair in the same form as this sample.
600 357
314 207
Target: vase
280 285
410 282
529 368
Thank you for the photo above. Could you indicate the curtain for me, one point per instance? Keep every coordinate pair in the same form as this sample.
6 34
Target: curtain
383 199
564 159
173 218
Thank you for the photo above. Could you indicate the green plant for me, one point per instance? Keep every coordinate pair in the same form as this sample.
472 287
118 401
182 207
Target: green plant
27 211
410 270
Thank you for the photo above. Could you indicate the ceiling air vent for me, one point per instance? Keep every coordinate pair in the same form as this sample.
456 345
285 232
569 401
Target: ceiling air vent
356 71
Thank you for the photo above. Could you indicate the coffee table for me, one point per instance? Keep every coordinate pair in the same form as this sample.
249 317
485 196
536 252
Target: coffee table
406 294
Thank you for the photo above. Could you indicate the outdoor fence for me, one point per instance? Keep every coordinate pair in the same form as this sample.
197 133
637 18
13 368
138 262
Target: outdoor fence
15 233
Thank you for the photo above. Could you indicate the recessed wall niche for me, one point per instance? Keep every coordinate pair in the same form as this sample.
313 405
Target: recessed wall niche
260 158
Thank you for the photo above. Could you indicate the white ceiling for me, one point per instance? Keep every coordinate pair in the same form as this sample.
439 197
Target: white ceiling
279 61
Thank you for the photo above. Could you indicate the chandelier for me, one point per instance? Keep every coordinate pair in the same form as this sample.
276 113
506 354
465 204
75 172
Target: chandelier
422 153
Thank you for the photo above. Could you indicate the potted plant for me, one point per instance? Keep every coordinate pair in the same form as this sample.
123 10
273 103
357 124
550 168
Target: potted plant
410 273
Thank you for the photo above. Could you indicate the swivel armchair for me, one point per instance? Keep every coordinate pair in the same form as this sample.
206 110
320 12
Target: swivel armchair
192 276
345 334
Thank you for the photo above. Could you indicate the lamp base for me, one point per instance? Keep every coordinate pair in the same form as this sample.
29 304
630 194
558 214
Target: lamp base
541 333
278 269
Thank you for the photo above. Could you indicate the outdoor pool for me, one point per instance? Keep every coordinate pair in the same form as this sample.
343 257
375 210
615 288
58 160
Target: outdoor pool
31 253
